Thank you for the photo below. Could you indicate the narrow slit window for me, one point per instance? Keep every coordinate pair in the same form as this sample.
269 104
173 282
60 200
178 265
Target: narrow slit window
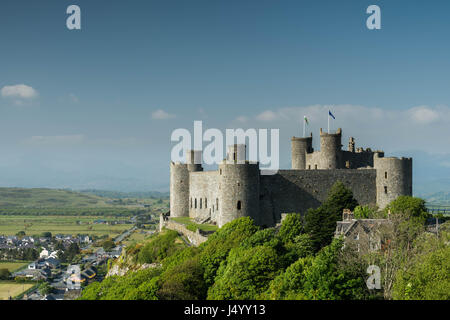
385 189
239 205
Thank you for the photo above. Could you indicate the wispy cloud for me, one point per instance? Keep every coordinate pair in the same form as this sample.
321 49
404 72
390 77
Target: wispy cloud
267 115
162 115
20 94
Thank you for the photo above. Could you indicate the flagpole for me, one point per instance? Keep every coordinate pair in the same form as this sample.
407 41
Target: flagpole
328 122
304 125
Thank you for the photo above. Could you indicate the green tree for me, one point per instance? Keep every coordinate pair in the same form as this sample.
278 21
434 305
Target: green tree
246 274
365 212
291 227
108 244
216 249
320 223
21 234
46 234
4 274
45 288
411 206
183 282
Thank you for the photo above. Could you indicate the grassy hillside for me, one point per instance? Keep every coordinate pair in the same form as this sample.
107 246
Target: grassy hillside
38 198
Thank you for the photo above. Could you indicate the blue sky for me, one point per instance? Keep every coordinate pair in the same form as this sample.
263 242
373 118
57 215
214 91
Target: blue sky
98 105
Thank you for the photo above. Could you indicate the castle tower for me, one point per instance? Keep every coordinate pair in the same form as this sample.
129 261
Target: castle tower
238 187
351 144
299 148
330 150
179 183
236 153
394 178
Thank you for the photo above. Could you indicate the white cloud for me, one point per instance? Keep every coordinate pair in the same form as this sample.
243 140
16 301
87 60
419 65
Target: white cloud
241 119
19 91
267 115
423 115
162 115
423 128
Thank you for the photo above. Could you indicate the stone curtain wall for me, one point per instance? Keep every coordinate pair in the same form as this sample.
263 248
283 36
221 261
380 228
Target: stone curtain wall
204 186
194 237
298 190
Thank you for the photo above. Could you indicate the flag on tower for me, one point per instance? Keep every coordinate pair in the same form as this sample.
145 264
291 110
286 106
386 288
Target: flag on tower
306 120
329 112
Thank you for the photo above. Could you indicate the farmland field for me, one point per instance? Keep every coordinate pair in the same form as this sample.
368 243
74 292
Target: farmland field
12 266
12 289
35 225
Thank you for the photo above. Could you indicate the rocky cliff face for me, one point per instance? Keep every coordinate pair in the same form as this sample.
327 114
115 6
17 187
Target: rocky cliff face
125 263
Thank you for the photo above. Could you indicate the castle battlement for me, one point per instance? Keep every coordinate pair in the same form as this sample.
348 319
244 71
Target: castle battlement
238 189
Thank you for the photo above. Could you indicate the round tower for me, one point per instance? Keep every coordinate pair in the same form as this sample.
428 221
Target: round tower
394 178
238 190
179 190
299 148
179 182
331 150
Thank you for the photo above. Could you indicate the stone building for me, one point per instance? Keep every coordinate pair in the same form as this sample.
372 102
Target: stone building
362 234
238 189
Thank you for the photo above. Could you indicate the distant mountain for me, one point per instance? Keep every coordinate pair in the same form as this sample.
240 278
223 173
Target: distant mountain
125 195
438 198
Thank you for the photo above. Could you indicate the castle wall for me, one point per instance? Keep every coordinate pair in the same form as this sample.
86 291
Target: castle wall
357 159
204 187
298 190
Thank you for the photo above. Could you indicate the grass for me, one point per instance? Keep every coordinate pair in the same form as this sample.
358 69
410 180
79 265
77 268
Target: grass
190 225
35 225
13 266
136 237
12 289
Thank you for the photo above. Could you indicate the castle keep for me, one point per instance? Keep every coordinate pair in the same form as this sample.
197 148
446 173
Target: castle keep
238 189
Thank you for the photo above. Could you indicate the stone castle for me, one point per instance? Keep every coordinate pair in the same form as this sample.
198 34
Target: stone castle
238 189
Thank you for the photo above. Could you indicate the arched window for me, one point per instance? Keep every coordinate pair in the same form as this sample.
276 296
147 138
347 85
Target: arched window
239 205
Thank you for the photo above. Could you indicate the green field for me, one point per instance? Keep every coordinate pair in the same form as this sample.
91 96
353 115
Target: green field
13 266
35 225
12 289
